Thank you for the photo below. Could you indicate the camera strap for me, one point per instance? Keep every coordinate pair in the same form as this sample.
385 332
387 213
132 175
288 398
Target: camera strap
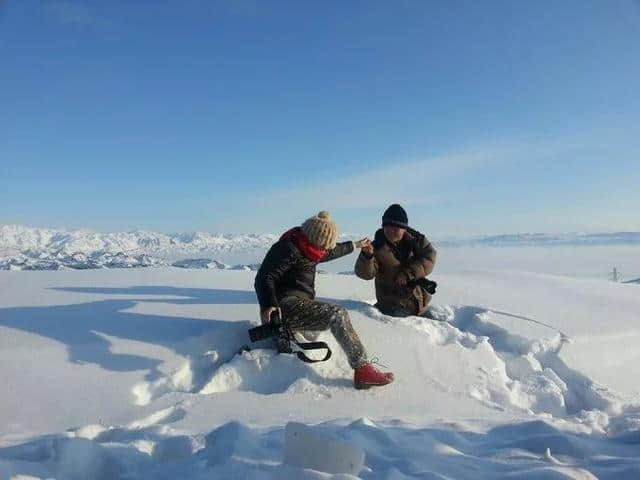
306 346
289 338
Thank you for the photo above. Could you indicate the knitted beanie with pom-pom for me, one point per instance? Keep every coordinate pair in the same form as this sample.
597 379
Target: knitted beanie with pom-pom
321 230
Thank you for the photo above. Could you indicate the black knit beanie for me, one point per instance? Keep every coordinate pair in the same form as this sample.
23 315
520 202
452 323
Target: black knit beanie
395 215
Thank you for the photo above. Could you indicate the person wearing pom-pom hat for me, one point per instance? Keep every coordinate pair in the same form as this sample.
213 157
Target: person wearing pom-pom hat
285 285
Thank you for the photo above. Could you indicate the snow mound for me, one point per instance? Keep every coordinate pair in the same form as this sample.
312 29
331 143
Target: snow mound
513 373
517 373
479 392
252 267
199 263
209 263
534 449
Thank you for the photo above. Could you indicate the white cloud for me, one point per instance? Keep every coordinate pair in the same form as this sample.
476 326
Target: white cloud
441 192
409 182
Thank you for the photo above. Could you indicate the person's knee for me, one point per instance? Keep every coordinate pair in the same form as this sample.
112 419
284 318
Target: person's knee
308 335
340 313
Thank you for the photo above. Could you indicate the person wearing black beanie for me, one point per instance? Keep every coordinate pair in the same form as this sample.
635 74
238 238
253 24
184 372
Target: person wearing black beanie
399 258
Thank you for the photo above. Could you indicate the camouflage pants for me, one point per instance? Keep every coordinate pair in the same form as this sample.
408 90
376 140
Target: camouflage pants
304 315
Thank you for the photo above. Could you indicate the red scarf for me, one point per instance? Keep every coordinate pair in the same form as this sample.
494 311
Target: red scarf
300 240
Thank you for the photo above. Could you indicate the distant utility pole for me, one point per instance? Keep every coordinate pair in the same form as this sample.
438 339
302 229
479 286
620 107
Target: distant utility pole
615 276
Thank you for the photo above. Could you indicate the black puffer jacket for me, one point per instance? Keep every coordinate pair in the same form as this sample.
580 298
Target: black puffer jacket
285 271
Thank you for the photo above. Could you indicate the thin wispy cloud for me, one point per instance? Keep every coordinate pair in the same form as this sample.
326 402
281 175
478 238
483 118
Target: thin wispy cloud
445 191
409 182
416 181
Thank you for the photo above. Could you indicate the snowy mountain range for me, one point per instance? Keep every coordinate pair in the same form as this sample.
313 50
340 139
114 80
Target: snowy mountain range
27 248
41 240
545 239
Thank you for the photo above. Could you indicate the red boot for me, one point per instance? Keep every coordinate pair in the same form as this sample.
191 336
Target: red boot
367 375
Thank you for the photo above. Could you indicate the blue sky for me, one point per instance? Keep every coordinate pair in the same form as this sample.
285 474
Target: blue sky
248 116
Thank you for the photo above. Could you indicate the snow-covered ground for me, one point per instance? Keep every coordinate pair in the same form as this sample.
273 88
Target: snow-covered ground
134 374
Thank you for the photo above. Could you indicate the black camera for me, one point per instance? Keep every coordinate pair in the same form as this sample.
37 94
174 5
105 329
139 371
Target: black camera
428 285
271 329
264 331
284 339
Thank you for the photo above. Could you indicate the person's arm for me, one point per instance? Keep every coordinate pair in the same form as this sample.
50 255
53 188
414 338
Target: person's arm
279 259
424 257
340 250
366 266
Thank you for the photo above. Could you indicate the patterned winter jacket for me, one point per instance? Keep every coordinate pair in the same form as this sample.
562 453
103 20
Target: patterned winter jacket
285 271
414 256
